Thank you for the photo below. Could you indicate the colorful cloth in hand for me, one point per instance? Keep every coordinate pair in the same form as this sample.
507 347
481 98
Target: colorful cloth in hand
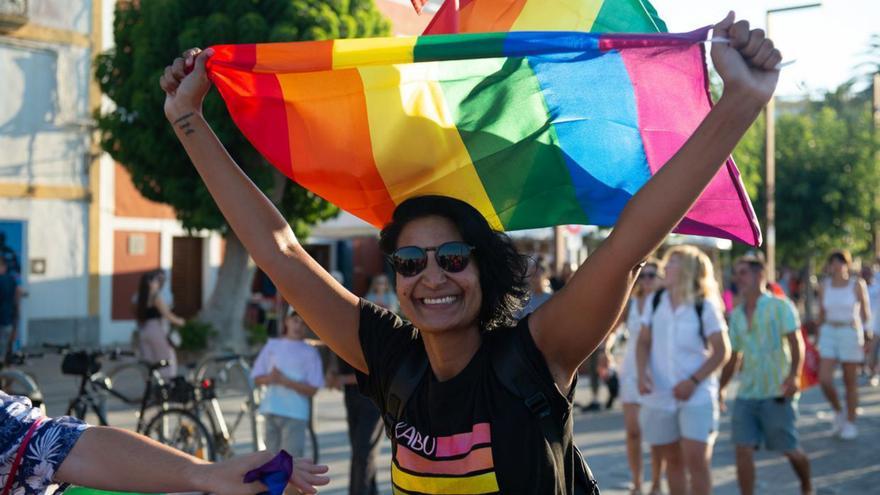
274 474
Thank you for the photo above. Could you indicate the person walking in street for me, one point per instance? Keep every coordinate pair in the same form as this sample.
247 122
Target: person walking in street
639 305
872 327
768 351
539 285
364 429
475 401
682 344
292 373
10 297
40 453
153 318
843 307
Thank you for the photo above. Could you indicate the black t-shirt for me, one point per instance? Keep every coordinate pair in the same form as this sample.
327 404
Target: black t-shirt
468 434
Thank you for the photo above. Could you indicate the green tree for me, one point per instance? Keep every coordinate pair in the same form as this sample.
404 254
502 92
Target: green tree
827 176
148 36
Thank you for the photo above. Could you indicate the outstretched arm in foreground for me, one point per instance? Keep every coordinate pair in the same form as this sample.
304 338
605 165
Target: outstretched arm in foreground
113 459
571 324
328 308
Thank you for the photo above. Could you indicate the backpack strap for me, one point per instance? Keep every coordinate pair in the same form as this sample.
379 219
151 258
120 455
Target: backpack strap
655 300
698 305
513 370
403 383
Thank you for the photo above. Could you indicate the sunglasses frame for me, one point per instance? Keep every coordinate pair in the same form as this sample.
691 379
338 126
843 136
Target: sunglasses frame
425 251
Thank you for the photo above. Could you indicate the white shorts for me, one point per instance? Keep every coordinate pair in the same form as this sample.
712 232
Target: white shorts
844 344
698 422
629 390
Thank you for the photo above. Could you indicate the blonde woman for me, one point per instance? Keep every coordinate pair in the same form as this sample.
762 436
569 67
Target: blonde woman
639 305
683 342
843 307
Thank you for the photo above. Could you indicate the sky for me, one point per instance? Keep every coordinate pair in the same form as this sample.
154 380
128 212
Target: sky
826 42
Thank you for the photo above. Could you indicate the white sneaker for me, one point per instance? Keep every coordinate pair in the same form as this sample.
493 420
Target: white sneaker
837 423
849 431
874 381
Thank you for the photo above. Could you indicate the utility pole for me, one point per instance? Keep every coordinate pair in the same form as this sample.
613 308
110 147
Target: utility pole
770 160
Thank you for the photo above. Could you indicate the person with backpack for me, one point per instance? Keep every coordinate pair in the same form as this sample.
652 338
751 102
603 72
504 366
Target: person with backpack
683 342
474 401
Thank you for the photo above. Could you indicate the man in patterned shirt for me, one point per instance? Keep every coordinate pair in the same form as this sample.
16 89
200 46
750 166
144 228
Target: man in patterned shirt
66 450
765 338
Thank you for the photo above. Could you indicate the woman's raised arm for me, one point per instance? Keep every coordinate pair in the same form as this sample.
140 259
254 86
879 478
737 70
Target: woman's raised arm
328 308
569 326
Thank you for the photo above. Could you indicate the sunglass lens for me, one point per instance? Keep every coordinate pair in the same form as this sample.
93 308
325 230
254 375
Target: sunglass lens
409 261
453 256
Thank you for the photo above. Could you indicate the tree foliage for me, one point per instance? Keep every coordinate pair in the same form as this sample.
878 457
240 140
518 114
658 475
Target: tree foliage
149 35
827 175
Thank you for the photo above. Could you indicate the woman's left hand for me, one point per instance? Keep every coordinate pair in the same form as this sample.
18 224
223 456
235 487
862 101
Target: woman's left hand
225 478
748 62
684 390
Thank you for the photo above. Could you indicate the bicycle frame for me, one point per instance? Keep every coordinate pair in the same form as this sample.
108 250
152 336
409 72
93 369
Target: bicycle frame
92 389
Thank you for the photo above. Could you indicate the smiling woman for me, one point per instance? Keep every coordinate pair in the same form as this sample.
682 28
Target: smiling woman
474 401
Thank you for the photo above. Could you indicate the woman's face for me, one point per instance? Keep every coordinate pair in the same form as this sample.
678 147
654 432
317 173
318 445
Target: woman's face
648 279
673 270
380 284
837 267
155 284
436 300
294 327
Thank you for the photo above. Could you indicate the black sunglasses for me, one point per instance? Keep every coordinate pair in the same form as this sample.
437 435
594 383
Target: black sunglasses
452 257
647 275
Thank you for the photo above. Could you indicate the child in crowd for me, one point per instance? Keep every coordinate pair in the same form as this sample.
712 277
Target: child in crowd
292 373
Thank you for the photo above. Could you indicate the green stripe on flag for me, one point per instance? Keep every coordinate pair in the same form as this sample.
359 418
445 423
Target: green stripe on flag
628 16
459 46
503 120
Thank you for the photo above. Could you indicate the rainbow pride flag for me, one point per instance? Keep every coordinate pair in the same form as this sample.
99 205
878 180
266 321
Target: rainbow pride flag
597 16
531 128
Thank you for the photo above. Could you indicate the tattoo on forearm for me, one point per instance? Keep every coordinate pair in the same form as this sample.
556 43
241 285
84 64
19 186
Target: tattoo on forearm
184 124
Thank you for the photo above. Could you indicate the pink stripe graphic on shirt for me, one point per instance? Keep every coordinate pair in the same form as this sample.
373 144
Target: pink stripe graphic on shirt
463 443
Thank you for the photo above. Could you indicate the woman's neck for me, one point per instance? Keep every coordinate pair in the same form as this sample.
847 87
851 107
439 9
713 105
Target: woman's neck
839 278
449 352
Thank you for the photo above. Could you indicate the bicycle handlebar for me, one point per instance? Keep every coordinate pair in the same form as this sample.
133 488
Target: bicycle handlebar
113 353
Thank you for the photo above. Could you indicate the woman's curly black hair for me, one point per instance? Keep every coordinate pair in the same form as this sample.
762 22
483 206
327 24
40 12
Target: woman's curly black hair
503 280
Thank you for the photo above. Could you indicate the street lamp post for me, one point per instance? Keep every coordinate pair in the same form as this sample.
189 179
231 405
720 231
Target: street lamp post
770 160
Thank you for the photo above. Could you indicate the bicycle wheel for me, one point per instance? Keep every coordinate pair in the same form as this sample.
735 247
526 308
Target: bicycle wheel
16 382
182 430
130 381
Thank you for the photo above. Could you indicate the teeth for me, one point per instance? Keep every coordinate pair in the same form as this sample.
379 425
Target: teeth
439 300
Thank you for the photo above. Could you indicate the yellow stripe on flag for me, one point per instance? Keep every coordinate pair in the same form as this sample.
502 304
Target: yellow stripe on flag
558 15
407 100
466 485
373 51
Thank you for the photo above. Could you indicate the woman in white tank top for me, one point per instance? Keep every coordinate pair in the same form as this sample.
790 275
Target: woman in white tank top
639 305
843 307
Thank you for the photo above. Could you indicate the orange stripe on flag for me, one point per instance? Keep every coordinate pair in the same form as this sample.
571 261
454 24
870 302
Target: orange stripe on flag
327 118
306 56
489 16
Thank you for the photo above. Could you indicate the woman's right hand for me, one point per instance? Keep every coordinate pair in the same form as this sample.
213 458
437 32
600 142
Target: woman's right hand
646 385
186 83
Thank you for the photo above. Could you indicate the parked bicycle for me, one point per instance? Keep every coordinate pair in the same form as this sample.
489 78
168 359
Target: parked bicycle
16 381
162 413
229 376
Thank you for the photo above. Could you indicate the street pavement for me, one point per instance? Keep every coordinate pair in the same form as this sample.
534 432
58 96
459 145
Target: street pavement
839 467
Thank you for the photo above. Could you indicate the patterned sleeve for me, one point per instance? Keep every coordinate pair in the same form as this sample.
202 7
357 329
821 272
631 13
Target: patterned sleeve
44 453
790 319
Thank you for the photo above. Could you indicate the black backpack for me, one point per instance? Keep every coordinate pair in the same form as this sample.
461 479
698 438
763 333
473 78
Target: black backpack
512 369
698 305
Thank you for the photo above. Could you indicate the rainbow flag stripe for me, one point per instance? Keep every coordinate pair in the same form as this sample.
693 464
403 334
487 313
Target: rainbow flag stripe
531 128
597 16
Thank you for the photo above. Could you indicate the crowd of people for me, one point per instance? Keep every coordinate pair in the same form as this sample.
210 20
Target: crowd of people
475 385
